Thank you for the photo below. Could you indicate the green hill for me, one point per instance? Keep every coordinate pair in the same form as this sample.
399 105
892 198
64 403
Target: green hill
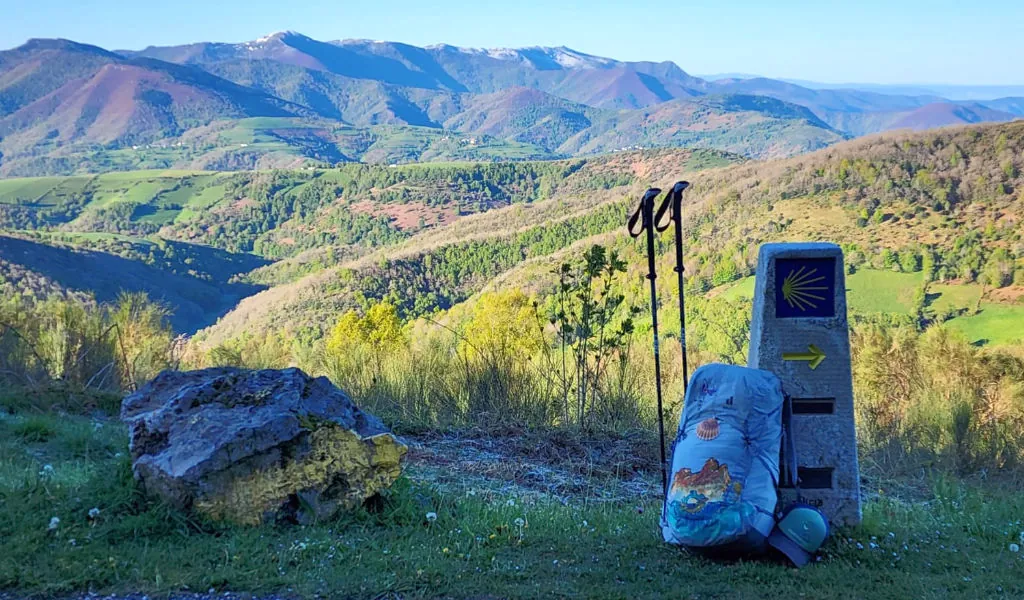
939 209
941 206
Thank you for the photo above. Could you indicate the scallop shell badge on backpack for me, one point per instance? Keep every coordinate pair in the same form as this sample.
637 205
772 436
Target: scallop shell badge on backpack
708 429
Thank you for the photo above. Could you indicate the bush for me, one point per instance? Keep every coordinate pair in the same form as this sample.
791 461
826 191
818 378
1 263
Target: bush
82 345
933 399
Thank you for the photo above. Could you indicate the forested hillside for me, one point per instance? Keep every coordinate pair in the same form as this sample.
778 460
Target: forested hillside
219 227
945 204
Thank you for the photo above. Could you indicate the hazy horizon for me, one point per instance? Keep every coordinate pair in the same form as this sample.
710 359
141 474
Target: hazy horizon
910 43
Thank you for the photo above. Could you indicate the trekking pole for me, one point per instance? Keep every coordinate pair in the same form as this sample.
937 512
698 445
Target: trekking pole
673 203
644 214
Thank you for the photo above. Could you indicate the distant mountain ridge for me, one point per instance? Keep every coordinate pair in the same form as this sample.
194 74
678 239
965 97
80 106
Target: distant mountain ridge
67 107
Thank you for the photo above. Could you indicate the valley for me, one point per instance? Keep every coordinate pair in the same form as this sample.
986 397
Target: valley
935 215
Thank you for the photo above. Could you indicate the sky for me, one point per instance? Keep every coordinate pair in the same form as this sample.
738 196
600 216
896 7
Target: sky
866 41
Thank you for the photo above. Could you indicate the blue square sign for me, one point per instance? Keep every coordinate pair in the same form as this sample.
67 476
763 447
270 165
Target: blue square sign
805 287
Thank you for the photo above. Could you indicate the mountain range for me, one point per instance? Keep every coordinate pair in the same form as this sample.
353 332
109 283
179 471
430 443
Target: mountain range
286 100
944 90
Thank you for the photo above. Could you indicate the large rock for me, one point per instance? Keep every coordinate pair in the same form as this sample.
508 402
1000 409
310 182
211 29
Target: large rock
257 446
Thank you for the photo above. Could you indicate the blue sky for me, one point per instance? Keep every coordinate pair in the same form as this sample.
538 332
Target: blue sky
893 41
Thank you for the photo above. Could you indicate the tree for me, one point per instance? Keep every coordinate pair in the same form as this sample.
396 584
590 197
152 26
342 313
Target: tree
379 331
998 271
503 325
593 322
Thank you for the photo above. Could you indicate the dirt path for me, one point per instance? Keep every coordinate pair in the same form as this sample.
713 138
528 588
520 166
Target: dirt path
554 465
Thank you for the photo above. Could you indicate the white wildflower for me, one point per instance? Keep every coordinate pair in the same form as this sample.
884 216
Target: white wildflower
511 502
47 471
94 512
1014 548
860 546
431 517
54 523
519 522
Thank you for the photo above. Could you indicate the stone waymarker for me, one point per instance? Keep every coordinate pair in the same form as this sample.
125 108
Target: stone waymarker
799 332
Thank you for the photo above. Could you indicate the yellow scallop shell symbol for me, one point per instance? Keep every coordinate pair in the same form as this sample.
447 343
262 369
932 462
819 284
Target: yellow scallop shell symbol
708 429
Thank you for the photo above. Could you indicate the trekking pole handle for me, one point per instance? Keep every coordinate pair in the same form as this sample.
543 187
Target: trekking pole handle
643 213
672 204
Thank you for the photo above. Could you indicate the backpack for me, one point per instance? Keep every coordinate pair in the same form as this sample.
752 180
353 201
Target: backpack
723 483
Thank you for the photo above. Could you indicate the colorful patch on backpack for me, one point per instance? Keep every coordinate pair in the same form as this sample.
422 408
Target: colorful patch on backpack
702 493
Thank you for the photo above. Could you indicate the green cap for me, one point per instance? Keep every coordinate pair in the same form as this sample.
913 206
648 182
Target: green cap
800 533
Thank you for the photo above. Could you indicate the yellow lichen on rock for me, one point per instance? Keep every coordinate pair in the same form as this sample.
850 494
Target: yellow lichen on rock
335 459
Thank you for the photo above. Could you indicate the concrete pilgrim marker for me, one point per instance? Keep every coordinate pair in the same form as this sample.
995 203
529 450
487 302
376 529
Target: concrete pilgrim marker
799 332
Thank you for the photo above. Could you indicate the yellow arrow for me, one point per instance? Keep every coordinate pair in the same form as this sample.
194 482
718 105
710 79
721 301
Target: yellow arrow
814 356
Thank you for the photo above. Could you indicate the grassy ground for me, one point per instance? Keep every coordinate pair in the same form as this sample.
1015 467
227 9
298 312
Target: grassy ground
486 542
996 324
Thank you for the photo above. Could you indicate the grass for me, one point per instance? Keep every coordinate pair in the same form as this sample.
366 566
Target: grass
954 296
483 544
26 188
996 324
871 291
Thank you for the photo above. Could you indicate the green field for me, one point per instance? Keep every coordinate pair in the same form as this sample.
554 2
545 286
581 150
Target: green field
996 324
874 292
40 190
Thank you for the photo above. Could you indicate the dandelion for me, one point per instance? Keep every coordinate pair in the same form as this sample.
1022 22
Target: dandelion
54 523
431 517
94 513
1014 548
519 522
445 550
511 502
